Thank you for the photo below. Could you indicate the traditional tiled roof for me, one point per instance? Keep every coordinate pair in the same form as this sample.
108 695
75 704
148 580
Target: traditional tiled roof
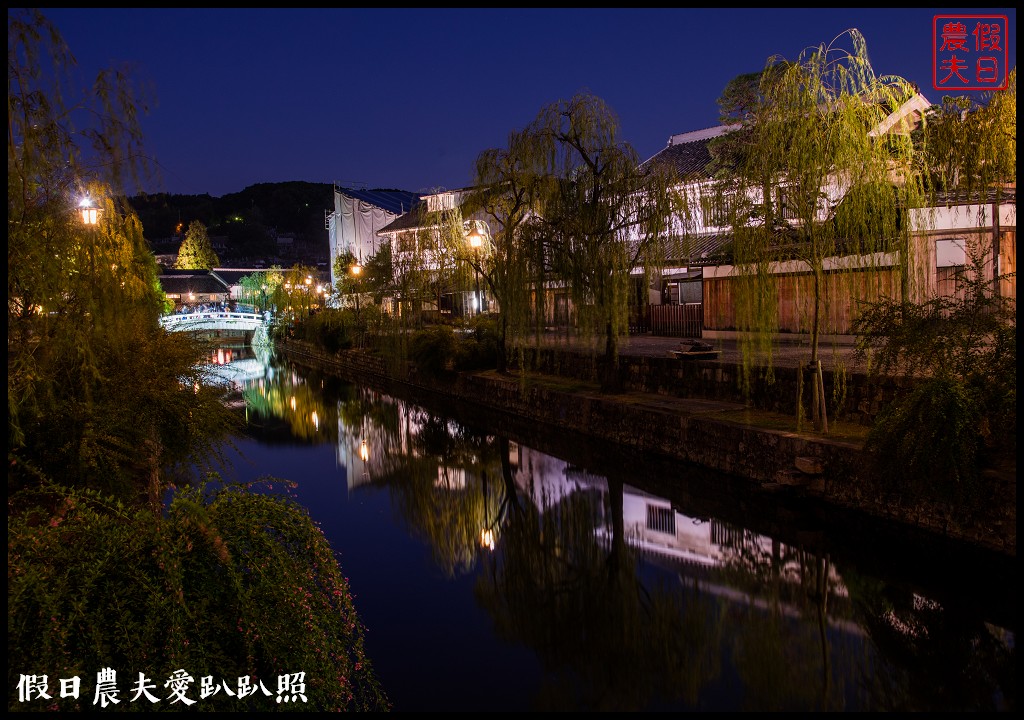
705 248
949 198
412 220
687 154
233 276
197 281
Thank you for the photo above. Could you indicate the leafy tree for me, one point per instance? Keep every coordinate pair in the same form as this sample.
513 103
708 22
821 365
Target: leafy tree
806 144
196 252
507 190
83 338
349 273
429 263
971 149
107 411
960 417
972 146
379 273
600 215
256 290
298 292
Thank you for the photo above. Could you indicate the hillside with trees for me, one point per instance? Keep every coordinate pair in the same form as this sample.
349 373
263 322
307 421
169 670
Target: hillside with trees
249 220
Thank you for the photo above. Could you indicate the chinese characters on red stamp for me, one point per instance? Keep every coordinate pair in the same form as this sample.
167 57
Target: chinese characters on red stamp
969 52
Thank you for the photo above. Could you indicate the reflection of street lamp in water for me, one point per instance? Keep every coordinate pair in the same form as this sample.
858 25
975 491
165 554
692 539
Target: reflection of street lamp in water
486 533
487 538
364 455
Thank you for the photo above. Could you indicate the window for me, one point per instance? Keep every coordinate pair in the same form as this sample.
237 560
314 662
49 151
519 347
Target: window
716 209
950 252
784 205
661 519
950 262
407 242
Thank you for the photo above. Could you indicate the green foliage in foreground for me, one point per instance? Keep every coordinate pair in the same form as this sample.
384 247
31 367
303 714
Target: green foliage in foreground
961 418
439 348
228 583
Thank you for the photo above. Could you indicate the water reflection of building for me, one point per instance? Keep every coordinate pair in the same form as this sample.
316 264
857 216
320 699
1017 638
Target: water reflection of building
688 547
366 449
237 366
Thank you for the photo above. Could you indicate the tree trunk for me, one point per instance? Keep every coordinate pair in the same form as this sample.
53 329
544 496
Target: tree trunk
502 351
818 409
609 371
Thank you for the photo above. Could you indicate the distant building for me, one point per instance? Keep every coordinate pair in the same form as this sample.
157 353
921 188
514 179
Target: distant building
358 215
194 287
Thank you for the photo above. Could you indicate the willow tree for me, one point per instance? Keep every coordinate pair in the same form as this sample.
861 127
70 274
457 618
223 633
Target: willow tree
507 190
84 343
962 417
816 184
601 215
257 288
196 251
972 145
971 149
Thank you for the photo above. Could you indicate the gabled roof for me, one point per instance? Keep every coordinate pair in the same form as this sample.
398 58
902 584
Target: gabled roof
395 202
197 281
687 154
904 118
706 248
413 220
233 276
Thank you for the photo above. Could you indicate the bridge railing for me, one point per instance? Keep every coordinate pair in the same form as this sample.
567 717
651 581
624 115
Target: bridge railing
169 321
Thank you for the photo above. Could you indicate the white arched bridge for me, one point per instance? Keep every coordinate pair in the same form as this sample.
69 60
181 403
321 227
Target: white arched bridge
256 323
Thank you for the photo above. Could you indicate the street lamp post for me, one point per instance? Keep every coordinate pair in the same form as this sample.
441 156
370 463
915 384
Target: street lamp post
475 241
357 270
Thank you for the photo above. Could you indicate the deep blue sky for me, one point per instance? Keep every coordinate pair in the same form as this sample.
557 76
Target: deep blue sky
407 98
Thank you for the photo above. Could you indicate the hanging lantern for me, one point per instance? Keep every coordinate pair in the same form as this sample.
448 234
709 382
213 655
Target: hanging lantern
90 213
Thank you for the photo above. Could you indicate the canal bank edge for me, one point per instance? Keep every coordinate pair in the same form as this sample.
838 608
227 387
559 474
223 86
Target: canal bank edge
703 432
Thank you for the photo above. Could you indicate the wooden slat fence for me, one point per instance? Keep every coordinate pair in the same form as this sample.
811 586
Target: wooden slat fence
677 320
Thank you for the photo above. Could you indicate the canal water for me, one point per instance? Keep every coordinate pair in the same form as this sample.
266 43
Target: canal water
500 566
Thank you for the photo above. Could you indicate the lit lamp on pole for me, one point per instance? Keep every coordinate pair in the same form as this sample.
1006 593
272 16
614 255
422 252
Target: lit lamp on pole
89 211
357 270
476 240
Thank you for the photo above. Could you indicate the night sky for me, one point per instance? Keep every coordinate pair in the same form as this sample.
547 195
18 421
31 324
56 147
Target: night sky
407 98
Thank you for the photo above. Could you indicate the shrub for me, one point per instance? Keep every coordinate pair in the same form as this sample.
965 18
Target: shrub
433 350
927 444
477 349
961 417
228 583
333 330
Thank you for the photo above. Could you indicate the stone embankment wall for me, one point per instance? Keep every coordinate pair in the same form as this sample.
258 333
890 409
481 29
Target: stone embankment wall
821 468
853 396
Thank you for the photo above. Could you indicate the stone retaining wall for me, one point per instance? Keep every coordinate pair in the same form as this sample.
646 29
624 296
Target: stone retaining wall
816 467
854 397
